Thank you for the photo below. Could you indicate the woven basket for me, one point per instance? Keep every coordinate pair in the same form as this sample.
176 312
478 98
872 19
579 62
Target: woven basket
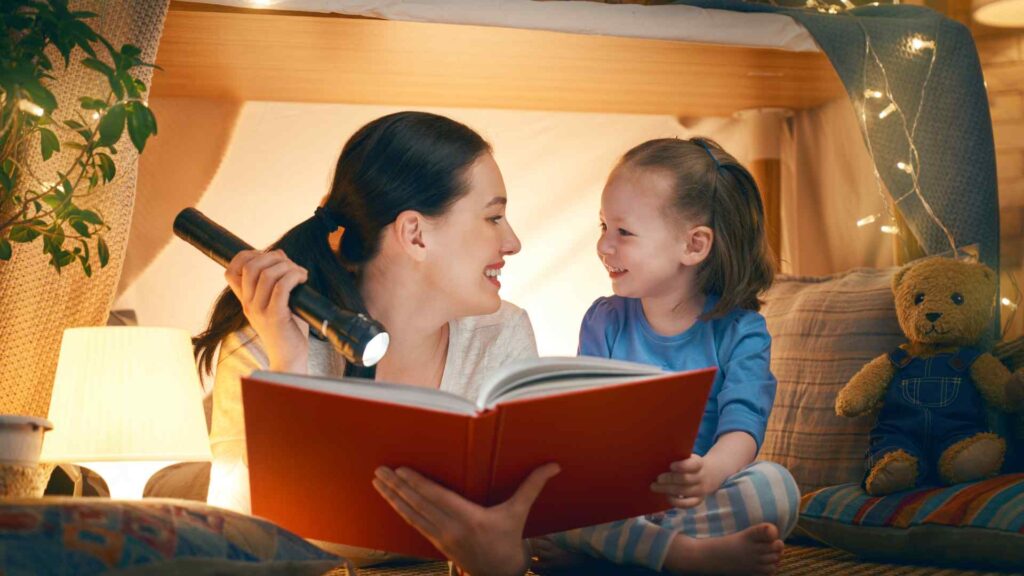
24 480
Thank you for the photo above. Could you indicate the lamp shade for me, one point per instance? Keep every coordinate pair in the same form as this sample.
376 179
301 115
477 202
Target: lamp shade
126 394
1002 13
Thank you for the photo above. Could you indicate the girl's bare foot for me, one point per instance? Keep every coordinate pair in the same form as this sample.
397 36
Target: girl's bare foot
756 550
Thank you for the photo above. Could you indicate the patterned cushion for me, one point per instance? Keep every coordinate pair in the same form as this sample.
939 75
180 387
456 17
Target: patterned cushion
96 535
976 524
823 330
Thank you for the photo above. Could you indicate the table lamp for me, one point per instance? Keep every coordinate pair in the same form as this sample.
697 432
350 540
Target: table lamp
1000 13
126 402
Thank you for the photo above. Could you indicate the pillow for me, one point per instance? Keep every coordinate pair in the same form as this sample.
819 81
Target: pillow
975 524
824 329
57 535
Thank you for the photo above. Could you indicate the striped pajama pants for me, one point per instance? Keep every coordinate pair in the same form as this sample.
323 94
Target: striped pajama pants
761 492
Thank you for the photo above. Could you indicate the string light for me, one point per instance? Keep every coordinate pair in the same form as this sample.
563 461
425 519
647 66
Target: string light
1008 303
872 94
890 229
888 110
30 107
908 168
868 220
94 116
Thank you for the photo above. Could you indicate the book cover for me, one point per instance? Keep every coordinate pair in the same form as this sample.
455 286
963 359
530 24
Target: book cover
313 450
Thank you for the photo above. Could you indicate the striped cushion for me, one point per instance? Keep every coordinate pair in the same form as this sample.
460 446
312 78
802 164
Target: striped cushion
823 330
980 523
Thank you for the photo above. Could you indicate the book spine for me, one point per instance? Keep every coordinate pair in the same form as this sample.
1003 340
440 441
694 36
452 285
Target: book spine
480 457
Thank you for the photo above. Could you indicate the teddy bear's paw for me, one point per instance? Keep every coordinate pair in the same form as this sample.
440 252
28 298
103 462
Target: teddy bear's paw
974 458
895 472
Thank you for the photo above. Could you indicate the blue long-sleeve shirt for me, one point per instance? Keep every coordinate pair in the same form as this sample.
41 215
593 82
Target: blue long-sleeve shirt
738 344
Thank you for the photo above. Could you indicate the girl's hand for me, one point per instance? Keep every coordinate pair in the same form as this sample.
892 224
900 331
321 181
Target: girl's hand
686 482
481 541
263 281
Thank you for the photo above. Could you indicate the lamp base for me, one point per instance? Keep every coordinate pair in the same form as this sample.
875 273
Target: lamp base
126 480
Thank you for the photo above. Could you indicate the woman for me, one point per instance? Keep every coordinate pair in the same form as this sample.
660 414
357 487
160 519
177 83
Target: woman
414 233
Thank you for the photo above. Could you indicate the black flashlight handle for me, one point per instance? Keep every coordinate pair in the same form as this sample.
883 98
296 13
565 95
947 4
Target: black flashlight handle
349 332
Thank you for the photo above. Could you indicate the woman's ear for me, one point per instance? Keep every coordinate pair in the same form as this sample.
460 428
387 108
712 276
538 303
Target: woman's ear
409 230
697 245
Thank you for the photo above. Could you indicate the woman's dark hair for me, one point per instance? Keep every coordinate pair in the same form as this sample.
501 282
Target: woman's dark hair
403 161
713 189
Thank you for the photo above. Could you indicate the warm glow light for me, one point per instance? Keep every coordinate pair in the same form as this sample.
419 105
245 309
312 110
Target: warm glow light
30 107
1001 13
888 110
905 167
889 229
1009 303
126 402
872 94
867 220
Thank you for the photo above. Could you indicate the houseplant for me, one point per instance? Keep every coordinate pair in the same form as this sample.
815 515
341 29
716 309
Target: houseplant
49 204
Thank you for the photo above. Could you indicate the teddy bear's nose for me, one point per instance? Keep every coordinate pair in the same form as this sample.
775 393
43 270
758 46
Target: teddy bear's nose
933 316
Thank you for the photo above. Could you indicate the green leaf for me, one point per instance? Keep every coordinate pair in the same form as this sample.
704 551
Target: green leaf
23 234
90 217
92 103
86 267
48 142
74 124
5 249
106 166
104 252
131 51
62 258
81 227
139 127
39 94
112 125
107 71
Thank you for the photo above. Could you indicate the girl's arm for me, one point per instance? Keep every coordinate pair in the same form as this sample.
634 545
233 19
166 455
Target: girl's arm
731 453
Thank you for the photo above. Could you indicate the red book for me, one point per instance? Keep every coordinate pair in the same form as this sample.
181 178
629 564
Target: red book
314 444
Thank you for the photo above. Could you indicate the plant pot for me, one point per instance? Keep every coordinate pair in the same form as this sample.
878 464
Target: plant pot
21 440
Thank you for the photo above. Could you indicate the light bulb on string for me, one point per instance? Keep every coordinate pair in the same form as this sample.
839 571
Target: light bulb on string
31 107
872 93
870 219
887 110
909 169
889 229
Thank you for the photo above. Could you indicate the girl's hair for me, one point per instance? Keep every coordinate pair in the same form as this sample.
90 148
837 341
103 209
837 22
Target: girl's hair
713 189
403 161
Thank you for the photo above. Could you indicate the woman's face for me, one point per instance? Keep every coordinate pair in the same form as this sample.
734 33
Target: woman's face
470 242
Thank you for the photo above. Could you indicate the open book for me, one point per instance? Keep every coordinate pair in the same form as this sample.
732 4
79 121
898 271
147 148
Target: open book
314 443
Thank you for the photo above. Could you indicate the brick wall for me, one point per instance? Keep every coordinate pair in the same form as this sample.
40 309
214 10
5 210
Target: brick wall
1002 60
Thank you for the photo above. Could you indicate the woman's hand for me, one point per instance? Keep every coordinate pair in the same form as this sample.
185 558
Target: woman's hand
481 541
686 483
263 281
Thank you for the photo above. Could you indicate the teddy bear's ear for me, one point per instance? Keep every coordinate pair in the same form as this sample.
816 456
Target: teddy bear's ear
897 278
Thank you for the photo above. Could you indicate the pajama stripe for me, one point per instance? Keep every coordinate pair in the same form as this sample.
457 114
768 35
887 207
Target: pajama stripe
761 492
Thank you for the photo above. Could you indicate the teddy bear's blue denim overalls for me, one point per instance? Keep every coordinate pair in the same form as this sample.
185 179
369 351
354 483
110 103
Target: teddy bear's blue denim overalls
930 404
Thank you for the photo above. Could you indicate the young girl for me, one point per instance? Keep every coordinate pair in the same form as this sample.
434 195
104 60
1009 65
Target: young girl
682 237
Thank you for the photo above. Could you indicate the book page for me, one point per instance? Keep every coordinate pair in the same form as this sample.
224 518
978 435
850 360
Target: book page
555 374
372 390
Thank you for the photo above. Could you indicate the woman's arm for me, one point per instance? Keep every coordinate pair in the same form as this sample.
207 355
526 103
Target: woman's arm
481 541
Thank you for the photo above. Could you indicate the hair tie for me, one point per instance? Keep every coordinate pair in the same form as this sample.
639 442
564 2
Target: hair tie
718 166
330 220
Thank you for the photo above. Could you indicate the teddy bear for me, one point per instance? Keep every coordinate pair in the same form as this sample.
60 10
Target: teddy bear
930 393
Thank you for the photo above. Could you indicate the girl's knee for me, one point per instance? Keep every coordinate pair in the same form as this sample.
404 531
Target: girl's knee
778 495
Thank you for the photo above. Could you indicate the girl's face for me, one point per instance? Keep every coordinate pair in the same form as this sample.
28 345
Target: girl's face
641 242
470 242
